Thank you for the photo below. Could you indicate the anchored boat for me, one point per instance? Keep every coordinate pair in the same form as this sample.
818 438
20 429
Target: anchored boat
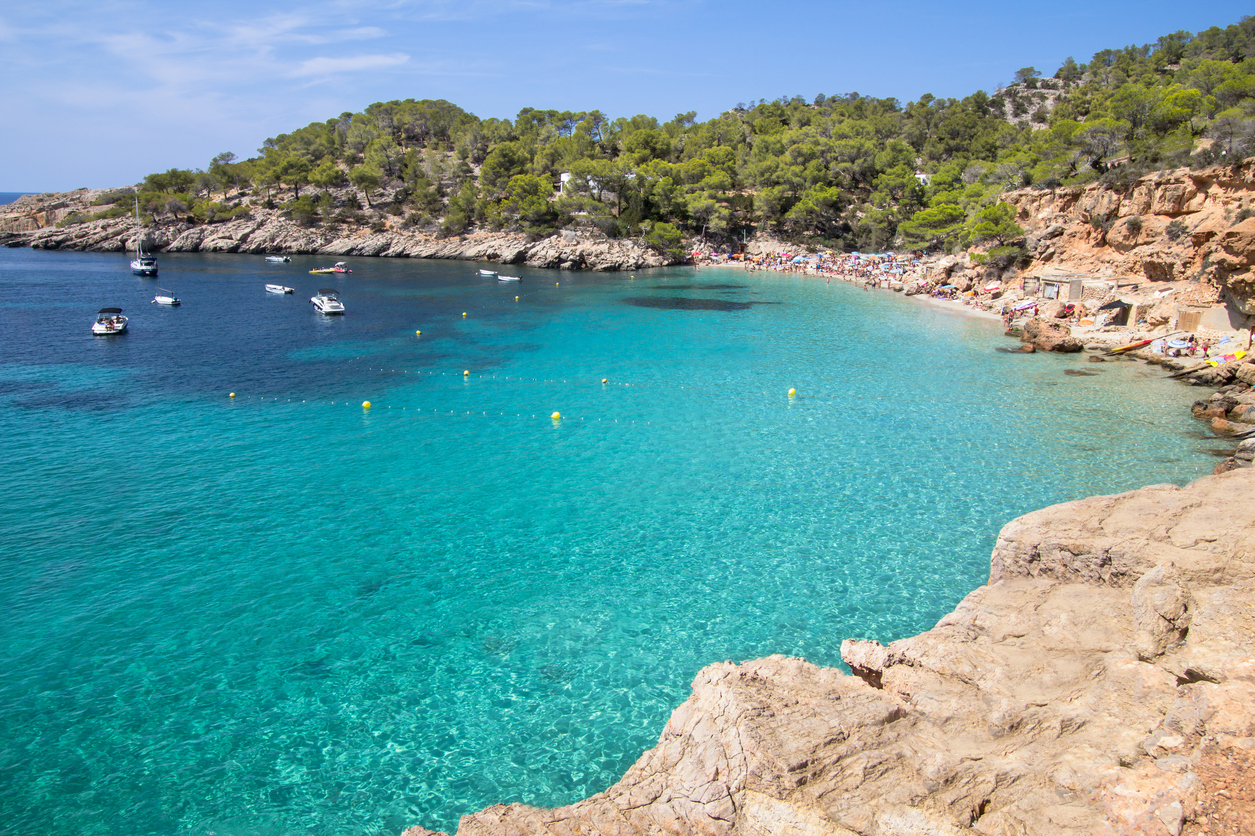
142 264
165 297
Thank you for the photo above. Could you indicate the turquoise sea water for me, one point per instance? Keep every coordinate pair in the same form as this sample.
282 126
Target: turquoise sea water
283 613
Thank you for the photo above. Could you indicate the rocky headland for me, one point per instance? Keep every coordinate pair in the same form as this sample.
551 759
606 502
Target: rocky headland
1102 682
39 221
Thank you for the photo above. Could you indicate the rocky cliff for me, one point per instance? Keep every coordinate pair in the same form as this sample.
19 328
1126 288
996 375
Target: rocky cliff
1102 682
1168 226
32 222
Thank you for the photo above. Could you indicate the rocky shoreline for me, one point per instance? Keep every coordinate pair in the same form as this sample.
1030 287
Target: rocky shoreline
1102 682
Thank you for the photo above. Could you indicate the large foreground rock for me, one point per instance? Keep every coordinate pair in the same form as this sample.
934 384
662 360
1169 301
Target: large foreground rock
1103 682
1048 335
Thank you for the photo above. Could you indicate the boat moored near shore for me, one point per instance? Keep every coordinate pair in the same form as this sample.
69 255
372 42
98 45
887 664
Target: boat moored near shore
143 264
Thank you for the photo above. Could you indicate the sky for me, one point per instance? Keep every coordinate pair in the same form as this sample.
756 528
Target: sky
98 94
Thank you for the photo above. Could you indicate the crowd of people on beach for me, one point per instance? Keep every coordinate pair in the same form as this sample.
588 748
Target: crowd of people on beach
869 269
905 272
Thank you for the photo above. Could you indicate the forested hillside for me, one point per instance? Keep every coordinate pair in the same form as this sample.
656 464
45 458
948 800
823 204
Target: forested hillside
843 171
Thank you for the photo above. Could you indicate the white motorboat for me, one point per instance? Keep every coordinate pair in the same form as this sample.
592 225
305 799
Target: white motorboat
165 297
508 278
109 321
492 273
341 267
277 288
327 301
278 259
142 264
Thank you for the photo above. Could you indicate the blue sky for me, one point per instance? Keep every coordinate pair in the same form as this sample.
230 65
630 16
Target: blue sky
99 94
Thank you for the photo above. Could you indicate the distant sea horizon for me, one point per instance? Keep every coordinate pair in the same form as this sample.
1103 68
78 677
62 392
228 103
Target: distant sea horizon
10 197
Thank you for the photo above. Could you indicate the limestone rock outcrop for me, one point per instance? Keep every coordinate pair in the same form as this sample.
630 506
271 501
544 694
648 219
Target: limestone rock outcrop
1167 226
1102 682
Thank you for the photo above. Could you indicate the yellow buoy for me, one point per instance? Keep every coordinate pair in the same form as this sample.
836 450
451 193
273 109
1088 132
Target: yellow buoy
466 373
516 298
555 284
556 416
603 380
418 333
463 313
365 404
233 394
792 392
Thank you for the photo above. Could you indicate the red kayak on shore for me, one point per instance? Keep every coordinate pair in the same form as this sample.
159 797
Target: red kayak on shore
1131 346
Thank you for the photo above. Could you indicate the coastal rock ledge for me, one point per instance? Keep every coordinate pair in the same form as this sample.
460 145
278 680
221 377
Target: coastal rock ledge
1102 682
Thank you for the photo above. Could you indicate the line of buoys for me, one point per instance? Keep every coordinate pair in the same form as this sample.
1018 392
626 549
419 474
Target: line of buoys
419 410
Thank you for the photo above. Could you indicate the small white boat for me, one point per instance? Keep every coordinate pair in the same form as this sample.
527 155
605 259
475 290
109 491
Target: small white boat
277 288
278 259
508 278
327 301
165 297
492 273
109 321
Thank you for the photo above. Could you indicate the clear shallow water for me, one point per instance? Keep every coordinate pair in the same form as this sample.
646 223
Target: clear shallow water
284 614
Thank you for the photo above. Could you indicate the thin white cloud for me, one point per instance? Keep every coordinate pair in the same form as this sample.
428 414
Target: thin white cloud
324 66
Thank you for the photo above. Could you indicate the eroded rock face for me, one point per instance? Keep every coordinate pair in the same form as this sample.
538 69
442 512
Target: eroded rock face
1103 682
1167 226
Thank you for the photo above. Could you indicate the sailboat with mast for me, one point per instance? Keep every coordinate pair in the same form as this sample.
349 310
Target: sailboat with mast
142 264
